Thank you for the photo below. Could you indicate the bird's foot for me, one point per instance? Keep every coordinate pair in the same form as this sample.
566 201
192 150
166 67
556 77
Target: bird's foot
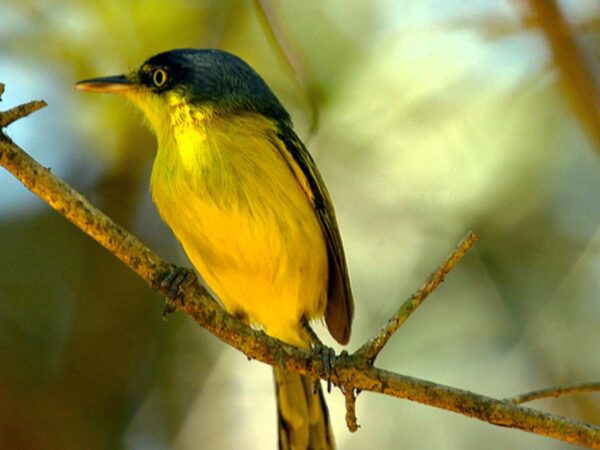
170 283
328 358
327 354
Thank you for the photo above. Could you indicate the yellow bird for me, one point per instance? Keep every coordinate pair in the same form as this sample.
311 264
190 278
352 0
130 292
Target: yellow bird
245 199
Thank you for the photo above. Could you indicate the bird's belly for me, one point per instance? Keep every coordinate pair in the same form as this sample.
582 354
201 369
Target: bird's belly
261 252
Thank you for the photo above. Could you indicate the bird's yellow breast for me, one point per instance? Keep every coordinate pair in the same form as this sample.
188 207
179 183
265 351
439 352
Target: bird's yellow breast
230 196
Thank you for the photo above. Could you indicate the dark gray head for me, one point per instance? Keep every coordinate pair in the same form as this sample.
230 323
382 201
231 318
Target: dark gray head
212 77
203 77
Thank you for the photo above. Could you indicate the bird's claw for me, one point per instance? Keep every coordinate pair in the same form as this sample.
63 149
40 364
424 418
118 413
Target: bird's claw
170 307
328 358
170 283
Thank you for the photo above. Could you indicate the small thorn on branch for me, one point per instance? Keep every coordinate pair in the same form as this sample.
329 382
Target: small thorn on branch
369 351
351 421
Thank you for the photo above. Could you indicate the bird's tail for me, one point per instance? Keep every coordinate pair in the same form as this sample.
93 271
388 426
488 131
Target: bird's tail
303 419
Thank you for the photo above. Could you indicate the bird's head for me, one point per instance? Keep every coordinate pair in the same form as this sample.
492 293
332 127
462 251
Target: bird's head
192 84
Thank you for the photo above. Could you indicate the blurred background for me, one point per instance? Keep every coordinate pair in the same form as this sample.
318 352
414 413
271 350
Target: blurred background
434 117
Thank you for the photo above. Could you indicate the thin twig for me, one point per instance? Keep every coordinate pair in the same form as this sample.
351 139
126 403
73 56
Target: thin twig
371 348
349 371
579 81
291 55
555 392
10 115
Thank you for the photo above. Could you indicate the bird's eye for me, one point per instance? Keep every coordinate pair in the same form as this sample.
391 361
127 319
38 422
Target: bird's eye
160 77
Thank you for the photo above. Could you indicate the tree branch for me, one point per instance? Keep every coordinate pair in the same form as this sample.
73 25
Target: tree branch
349 372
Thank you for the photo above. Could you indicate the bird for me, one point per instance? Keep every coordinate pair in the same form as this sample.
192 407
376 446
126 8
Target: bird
244 198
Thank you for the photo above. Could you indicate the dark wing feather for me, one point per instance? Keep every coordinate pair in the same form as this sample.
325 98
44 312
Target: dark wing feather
340 305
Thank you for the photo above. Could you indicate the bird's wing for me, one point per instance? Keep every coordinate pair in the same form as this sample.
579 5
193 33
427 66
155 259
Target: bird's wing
340 305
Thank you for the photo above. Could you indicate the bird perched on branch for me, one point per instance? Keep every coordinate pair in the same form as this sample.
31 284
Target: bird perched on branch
245 199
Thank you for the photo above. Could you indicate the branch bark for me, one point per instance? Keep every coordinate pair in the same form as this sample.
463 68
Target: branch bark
351 372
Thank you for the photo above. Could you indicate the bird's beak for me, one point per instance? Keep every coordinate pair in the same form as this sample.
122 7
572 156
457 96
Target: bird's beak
109 85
